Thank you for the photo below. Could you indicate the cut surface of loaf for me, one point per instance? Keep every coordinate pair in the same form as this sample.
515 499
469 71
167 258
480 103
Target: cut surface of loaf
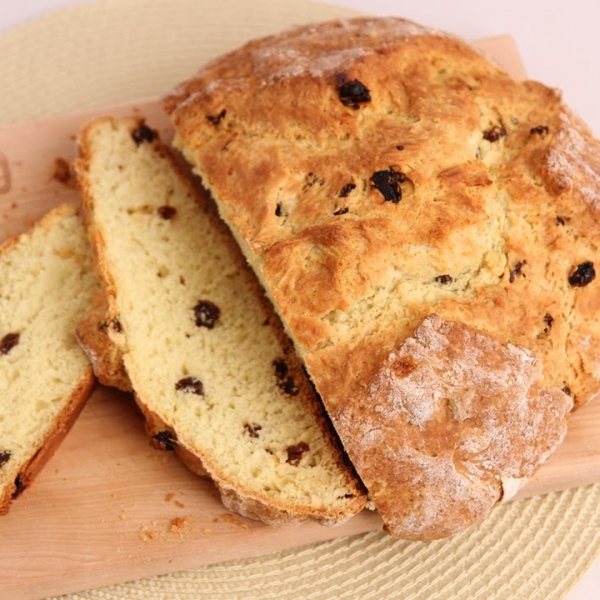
206 356
46 284
380 177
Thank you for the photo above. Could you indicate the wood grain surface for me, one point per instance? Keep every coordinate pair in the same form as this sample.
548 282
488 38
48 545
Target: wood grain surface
108 507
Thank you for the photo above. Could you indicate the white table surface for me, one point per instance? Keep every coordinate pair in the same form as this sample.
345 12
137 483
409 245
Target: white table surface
558 41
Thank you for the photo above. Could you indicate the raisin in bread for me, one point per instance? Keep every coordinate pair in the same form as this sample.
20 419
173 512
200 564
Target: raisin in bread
428 230
46 284
206 356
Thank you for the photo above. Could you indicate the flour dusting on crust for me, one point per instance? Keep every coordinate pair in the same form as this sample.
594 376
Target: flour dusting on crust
463 421
574 159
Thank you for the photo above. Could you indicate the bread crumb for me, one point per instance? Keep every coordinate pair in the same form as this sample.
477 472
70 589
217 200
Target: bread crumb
5 179
227 518
62 172
179 504
206 531
169 497
179 525
146 534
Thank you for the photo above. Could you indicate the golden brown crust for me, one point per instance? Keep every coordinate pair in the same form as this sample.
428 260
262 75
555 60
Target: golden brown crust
437 99
376 172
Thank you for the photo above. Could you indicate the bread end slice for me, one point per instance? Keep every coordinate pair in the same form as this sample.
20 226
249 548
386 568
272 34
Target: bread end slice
45 378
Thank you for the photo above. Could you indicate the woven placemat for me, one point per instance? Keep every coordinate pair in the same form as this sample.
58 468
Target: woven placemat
112 51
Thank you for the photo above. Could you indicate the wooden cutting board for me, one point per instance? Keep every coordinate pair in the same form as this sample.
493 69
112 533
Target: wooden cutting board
108 507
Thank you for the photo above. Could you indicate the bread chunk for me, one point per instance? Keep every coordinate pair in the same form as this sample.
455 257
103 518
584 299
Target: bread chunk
375 173
46 284
206 356
459 424
104 355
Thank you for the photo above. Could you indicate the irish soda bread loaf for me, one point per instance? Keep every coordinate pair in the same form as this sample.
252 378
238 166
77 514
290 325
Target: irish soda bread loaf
428 230
46 284
206 356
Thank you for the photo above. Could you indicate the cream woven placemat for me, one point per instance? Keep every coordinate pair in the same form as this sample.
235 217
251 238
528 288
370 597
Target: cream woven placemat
112 51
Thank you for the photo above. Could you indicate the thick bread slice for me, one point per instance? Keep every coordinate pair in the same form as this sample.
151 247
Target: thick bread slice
206 356
46 284
393 188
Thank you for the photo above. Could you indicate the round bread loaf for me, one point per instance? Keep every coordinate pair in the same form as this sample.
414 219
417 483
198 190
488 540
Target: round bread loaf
395 190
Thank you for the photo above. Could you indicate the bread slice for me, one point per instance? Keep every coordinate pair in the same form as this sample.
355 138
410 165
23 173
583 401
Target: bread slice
205 354
46 284
415 215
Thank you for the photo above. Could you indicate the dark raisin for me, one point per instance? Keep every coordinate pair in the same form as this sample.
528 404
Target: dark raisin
281 368
388 183
540 130
166 212
444 279
288 386
216 119
561 220
341 211
164 440
583 274
517 270
278 210
4 457
494 133
252 429
206 313
143 134
354 93
548 319
296 452
345 191
190 385
19 487
9 341
114 323
400 147
567 390
312 179
286 383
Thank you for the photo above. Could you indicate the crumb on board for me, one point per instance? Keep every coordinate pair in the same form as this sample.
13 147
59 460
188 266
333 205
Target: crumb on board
177 503
147 535
229 518
179 525
62 172
5 179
